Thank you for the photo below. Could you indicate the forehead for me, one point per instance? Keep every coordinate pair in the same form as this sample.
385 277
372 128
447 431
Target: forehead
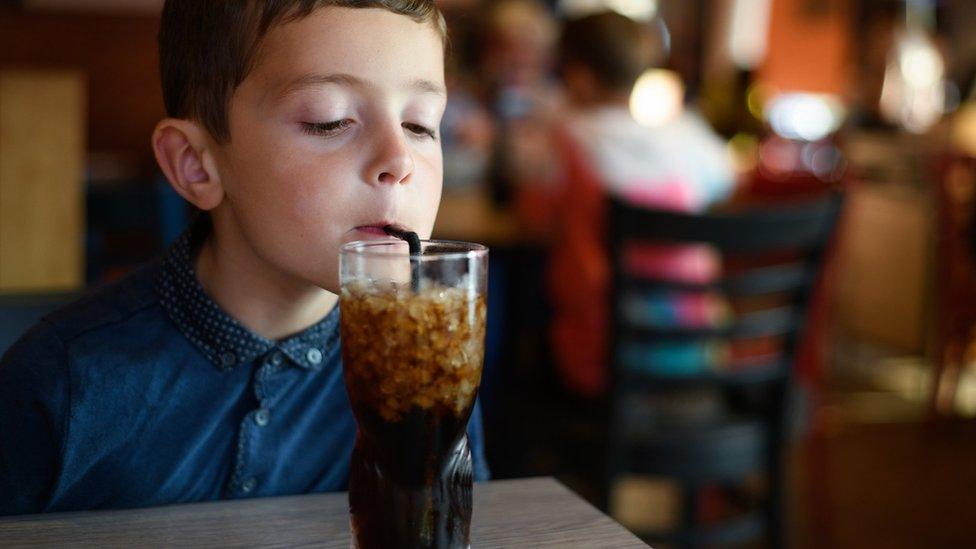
375 46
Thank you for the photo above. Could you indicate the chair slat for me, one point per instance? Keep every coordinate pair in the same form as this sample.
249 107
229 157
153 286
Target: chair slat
639 381
764 323
752 282
797 226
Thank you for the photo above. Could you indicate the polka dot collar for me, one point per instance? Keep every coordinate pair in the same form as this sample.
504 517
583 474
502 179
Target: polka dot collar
222 339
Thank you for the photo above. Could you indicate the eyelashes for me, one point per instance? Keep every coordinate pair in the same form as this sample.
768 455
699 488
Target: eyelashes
329 129
420 130
325 129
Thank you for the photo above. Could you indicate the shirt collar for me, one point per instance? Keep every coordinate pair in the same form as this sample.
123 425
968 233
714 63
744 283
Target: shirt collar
221 338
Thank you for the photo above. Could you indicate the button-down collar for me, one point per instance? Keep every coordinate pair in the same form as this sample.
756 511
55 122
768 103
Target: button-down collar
221 338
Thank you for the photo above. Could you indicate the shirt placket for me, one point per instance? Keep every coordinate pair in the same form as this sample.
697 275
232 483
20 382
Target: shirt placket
268 384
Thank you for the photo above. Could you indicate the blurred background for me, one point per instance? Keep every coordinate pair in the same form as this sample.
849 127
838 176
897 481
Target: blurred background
733 279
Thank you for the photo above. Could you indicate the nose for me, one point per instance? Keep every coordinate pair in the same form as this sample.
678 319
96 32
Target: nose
392 162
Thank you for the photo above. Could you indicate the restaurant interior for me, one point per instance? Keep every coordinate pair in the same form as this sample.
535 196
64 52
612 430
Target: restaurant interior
789 362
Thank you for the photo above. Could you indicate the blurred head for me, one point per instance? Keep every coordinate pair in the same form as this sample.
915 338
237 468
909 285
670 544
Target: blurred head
519 40
602 55
300 125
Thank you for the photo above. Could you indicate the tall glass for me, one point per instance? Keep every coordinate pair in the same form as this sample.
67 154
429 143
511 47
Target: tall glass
413 329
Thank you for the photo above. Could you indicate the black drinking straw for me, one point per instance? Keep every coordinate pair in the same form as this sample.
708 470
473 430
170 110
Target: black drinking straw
413 242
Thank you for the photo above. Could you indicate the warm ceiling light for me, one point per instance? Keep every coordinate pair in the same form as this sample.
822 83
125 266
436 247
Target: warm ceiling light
657 97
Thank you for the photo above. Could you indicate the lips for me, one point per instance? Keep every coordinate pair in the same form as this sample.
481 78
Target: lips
372 230
377 229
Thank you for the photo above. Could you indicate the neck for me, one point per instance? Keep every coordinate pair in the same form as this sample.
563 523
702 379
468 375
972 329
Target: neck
265 300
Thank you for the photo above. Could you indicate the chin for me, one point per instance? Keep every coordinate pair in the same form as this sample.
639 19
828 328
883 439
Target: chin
328 281
329 284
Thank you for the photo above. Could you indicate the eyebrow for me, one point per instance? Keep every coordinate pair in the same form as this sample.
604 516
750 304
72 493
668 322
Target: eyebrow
420 85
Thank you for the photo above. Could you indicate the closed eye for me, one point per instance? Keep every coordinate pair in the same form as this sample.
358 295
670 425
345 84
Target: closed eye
417 129
326 128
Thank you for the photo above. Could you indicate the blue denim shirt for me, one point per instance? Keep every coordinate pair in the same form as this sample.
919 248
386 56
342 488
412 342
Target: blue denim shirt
146 393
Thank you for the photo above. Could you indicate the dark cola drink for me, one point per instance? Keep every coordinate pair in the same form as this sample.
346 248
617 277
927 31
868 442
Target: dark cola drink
412 364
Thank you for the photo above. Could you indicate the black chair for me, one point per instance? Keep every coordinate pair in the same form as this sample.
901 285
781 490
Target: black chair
728 424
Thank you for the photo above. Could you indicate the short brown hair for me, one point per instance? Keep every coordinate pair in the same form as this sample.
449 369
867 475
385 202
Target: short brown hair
616 48
207 47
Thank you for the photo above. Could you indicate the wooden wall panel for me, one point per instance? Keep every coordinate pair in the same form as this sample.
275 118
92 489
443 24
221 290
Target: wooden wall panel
116 52
881 267
42 128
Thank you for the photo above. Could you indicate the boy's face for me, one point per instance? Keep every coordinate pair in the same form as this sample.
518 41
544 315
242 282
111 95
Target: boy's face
331 138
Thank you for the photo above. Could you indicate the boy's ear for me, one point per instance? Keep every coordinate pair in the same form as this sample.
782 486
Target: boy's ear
184 151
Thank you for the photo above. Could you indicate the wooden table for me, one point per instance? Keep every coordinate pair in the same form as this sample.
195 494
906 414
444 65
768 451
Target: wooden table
537 512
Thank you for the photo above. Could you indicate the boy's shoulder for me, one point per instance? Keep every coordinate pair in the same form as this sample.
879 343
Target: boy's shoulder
37 365
106 305
100 309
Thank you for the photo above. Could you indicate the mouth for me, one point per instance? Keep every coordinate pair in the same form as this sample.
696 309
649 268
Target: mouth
371 230
377 230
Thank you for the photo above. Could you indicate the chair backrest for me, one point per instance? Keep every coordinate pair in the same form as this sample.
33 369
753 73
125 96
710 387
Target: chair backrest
775 251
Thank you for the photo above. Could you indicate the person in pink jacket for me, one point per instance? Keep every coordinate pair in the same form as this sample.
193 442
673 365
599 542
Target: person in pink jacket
601 150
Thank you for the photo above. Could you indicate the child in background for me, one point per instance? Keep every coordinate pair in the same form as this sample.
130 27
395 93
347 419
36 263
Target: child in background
602 150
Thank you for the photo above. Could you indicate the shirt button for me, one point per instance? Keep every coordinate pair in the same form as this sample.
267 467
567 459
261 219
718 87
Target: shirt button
262 416
249 484
276 359
314 355
228 359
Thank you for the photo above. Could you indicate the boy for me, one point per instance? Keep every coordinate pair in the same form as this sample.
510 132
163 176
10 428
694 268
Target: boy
214 372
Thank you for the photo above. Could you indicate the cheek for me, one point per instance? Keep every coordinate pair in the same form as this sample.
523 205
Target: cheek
318 202
260 173
289 185
429 192
429 168
286 200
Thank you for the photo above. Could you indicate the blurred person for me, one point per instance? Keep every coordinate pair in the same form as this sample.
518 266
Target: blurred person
518 44
520 92
467 137
956 258
467 128
214 371
601 150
